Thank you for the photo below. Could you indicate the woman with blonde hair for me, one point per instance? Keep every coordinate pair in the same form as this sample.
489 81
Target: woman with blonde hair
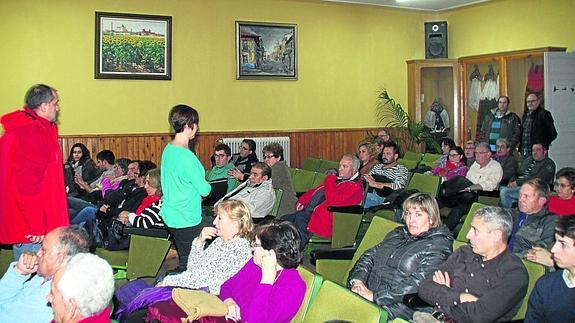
404 259
229 251
367 154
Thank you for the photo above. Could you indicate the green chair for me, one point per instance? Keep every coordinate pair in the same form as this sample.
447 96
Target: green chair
535 272
6 257
277 203
302 180
143 259
313 283
311 164
292 172
466 226
318 179
408 163
334 302
412 155
327 164
337 270
430 159
458 244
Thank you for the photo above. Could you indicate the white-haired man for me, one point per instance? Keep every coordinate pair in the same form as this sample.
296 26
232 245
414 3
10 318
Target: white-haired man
82 290
25 285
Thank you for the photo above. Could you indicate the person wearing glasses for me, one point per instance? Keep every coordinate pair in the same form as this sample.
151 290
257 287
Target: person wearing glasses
504 157
244 160
454 166
459 193
563 203
281 178
537 126
218 177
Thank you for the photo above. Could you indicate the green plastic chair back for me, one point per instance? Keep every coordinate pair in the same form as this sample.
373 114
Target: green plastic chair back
311 164
458 244
376 232
424 183
462 235
327 164
302 180
345 228
292 172
143 259
6 257
334 302
318 179
430 159
277 203
412 155
313 283
408 163
535 272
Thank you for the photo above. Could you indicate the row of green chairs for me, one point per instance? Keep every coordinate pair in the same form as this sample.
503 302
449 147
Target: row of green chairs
318 165
325 301
303 180
411 158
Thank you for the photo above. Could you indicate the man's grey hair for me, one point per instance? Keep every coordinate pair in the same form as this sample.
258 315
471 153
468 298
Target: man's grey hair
483 145
497 218
72 240
89 281
38 94
355 162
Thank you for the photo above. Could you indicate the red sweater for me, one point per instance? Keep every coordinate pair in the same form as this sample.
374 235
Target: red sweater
561 207
31 178
348 192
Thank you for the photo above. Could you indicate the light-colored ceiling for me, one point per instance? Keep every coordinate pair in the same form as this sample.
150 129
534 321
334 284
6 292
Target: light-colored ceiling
425 5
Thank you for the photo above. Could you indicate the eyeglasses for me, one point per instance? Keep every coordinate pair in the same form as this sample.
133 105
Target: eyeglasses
482 152
244 148
220 156
453 155
255 244
270 156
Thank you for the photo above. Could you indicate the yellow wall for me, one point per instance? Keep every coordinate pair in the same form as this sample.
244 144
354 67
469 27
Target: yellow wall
345 54
507 25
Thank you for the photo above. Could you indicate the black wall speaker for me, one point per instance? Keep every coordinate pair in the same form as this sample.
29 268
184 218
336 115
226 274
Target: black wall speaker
436 39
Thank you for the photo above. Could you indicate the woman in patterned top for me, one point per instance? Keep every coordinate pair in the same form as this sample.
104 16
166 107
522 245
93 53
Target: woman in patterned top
229 251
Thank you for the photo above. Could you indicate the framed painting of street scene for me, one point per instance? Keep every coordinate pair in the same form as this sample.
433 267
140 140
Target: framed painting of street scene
266 51
133 46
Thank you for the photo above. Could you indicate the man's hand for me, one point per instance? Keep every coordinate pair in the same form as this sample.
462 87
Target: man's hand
236 173
35 239
233 310
467 298
540 256
442 278
104 208
360 289
299 206
27 264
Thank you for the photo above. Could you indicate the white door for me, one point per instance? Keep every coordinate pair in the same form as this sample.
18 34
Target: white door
560 100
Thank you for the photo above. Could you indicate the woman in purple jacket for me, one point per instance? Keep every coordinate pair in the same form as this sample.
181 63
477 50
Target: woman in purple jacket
268 288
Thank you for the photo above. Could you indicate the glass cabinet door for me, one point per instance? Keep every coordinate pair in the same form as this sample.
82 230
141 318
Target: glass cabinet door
482 82
437 100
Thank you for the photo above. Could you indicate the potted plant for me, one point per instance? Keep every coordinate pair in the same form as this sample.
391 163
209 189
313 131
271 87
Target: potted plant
411 134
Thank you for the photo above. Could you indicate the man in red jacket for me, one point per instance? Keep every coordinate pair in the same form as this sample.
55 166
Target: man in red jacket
31 172
345 188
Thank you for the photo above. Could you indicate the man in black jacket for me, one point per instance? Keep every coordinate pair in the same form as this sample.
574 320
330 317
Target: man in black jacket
481 282
537 125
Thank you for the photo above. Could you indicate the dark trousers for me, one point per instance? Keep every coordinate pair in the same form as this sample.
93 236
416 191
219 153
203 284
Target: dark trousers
300 219
460 205
183 238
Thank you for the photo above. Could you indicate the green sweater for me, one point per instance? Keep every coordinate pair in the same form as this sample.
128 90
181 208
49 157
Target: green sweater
222 172
183 185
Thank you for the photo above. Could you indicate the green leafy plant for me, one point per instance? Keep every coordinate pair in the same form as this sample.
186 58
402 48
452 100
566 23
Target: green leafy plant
412 134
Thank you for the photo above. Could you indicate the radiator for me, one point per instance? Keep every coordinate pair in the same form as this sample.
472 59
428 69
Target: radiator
236 143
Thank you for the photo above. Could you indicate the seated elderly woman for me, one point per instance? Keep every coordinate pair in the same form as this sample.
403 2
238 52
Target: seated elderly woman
367 154
281 178
147 215
229 251
454 166
404 259
82 290
268 288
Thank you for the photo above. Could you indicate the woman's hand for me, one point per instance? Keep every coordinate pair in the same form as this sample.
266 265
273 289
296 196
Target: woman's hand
124 217
360 289
207 233
540 256
104 208
269 267
233 310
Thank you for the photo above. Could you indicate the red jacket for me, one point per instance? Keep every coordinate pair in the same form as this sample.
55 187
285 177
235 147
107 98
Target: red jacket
33 197
348 192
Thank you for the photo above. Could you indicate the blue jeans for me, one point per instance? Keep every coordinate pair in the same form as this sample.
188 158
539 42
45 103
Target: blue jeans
87 213
508 195
20 248
372 199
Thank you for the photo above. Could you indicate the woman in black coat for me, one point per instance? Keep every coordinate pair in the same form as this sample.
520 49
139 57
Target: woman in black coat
404 259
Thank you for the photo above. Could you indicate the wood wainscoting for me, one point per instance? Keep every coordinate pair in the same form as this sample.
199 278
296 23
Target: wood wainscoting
328 144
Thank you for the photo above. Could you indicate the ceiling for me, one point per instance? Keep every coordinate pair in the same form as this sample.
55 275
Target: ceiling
425 5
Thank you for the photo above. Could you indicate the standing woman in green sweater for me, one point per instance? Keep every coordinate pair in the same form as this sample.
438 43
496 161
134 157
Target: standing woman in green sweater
183 182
